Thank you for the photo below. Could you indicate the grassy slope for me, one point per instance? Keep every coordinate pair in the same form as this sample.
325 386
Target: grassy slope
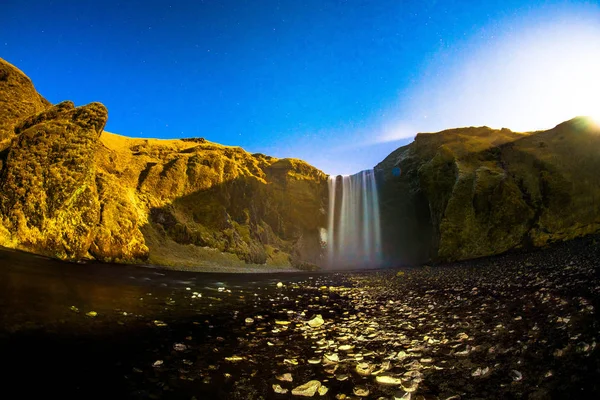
489 191
188 196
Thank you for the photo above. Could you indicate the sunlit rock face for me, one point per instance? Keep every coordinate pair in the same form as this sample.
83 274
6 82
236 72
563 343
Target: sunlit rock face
474 192
71 190
354 230
48 194
18 99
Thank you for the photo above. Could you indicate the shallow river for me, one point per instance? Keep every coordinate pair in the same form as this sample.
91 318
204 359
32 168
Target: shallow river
521 326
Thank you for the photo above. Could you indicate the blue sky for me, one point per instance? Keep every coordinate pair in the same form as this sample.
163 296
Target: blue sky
339 84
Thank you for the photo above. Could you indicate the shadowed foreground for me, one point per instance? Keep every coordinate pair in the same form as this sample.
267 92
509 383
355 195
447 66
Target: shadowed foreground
517 326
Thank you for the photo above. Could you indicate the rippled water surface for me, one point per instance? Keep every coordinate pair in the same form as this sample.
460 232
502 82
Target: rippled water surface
519 326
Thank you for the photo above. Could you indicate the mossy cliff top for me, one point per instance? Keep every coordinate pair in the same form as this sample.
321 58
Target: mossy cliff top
18 99
71 190
478 191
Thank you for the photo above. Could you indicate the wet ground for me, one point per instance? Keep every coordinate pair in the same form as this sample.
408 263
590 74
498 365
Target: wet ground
518 326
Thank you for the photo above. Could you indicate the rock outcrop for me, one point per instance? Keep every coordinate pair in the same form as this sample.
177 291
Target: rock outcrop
186 197
48 196
18 99
70 190
473 192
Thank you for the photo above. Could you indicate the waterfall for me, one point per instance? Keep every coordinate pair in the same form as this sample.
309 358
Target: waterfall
353 231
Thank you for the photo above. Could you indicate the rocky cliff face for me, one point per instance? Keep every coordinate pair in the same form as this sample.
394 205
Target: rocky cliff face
18 99
71 190
48 198
473 192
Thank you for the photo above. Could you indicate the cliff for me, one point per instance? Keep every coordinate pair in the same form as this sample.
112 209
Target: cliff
70 190
473 192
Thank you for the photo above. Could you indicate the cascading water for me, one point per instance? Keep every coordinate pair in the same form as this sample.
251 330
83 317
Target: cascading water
353 231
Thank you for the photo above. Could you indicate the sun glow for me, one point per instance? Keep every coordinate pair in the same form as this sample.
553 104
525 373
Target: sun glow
547 77
531 78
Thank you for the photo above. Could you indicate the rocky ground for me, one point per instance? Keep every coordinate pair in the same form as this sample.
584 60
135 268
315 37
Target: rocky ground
516 326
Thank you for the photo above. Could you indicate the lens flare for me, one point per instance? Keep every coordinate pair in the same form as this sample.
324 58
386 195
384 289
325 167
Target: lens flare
547 76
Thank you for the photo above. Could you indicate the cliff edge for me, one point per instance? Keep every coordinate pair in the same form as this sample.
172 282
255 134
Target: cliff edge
473 192
71 190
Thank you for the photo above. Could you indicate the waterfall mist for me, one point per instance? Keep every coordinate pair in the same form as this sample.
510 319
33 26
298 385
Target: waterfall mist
353 231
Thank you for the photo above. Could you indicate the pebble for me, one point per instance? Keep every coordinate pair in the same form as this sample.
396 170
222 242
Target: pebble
361 391
323 390
410 385
278 389
364 369
516 375
308 389
287 377
388 380
316 321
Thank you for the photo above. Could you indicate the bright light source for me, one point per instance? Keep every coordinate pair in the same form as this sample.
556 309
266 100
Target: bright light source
531 79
